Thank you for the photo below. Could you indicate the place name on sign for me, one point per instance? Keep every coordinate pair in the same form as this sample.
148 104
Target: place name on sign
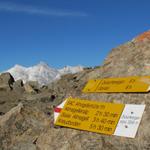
88 115
127 84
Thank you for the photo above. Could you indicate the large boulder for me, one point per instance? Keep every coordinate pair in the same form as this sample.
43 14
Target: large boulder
20 128
6 81
129 59
6 78
18 86
32 87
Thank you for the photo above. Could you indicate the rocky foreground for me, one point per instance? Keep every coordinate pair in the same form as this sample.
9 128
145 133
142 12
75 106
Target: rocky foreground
26 110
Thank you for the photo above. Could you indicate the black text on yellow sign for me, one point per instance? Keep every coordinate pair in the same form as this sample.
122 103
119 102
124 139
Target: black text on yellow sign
92 116
127 84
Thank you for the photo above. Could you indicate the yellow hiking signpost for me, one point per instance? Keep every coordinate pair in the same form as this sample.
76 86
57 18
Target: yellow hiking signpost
126 84
89 115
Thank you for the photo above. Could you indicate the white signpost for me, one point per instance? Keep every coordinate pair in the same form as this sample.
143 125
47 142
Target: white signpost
129 121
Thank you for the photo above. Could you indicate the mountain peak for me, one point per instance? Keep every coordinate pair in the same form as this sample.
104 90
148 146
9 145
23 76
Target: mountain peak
42 63
18 66
41 72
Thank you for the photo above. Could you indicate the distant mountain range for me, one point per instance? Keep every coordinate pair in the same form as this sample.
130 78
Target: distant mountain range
41 72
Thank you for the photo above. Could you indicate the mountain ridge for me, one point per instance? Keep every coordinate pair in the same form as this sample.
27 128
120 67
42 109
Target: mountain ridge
42 72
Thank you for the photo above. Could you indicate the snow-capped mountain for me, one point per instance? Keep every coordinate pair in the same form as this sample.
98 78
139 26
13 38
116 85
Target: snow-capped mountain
41 72
70 69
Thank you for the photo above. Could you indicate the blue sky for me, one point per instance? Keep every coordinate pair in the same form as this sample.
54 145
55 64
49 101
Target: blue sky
67 32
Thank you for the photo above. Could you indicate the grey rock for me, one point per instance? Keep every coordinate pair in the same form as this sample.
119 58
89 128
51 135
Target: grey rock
32 87
21 126
6 78
6 81
18 86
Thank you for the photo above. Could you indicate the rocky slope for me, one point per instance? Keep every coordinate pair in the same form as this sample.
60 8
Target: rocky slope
27 115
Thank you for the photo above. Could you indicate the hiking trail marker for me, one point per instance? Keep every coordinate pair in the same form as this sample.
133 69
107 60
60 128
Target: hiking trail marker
100 117
129 121
126 84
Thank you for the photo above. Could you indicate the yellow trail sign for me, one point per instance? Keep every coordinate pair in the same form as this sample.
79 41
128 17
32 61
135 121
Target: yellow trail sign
92 116
126 84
